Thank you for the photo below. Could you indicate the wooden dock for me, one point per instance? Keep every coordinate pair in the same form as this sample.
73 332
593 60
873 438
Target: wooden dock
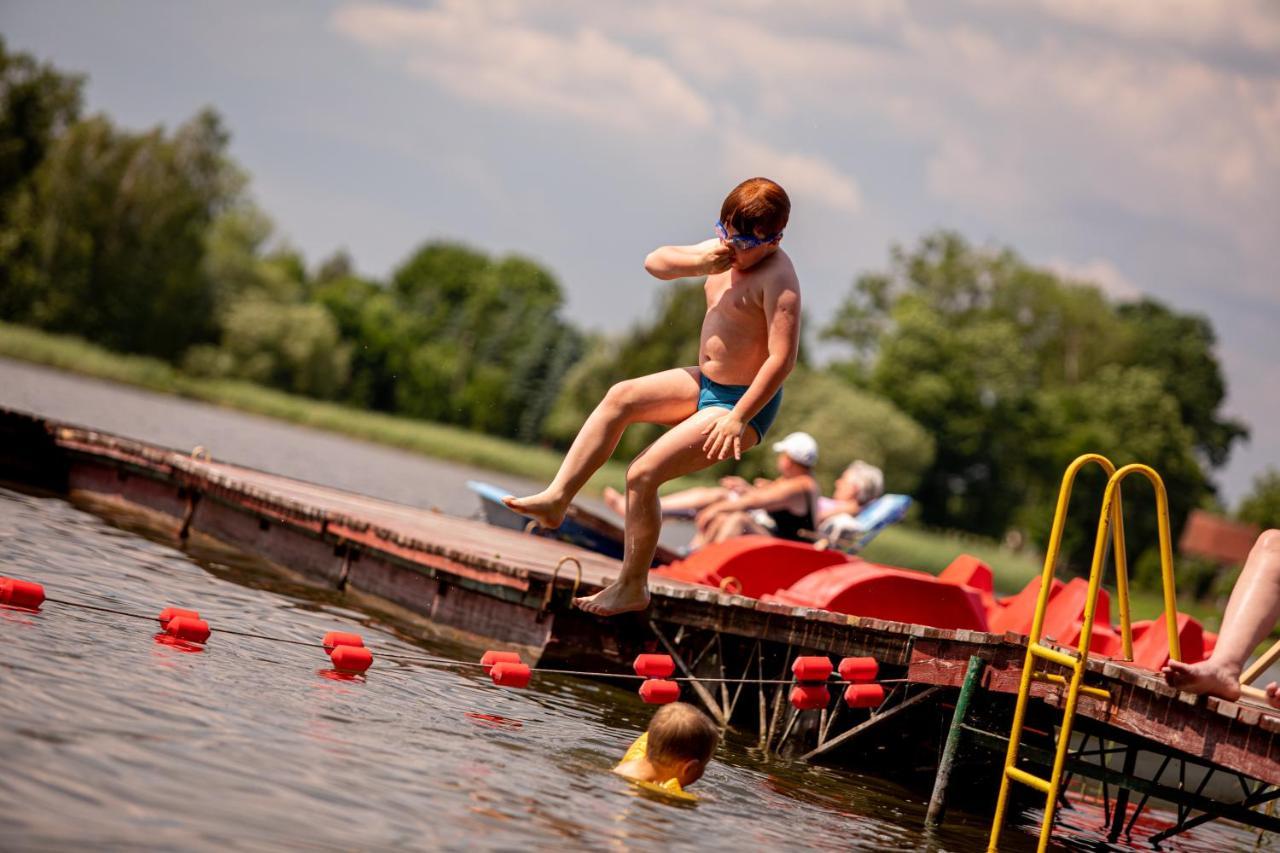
504 587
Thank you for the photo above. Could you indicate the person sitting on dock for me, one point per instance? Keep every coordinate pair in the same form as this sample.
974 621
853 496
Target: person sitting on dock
785 508
720 408
674 751
1252 611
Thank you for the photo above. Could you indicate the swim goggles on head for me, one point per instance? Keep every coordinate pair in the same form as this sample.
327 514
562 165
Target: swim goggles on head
742 242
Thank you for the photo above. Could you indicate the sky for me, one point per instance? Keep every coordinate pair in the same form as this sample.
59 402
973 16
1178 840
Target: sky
1131 143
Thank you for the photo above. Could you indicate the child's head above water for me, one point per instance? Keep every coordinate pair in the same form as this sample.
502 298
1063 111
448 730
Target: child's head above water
682 740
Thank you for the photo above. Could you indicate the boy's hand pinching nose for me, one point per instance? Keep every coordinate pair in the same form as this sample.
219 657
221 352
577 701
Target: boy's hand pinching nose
717 259
724 435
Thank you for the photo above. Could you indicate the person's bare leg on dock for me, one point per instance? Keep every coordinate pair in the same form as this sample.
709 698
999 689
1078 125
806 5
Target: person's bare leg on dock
1251 613
678 504
678 452
660 398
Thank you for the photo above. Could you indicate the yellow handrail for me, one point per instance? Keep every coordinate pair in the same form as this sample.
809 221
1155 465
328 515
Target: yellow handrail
1111 497
1110 519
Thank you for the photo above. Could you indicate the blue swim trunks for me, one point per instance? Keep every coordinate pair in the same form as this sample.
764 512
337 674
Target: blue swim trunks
712 393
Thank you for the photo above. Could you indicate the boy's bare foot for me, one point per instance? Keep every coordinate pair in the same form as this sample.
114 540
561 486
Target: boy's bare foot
614 599
542 508
1203 677
615 501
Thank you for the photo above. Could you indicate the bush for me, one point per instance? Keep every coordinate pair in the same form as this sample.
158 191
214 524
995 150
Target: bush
292 347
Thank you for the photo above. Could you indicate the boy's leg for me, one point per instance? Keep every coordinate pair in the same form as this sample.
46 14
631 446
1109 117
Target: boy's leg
675 454
1251 612
659 398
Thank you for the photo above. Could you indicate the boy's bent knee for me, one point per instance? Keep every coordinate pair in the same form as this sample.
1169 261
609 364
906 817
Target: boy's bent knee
1269 544
621 396
643 478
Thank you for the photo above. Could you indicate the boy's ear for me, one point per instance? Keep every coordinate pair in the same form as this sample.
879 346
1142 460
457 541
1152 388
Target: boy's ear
690 771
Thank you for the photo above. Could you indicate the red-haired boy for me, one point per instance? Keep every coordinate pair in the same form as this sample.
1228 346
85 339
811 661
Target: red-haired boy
725 405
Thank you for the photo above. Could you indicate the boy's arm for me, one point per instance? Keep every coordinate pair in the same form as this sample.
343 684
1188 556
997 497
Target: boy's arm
782 314
705 258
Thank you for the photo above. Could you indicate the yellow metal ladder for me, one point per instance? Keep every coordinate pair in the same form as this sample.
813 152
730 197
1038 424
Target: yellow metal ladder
1111 519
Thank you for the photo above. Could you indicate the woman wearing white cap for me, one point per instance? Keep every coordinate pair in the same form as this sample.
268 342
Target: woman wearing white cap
785 508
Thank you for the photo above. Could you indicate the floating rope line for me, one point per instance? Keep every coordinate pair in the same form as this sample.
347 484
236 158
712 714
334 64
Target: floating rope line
349 656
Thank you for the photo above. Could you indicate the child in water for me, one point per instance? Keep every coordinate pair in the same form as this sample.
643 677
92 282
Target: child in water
720 408
674 751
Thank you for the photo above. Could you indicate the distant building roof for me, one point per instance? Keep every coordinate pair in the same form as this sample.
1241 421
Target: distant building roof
1217 538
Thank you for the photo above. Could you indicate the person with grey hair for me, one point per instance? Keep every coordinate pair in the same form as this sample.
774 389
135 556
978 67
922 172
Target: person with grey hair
858 485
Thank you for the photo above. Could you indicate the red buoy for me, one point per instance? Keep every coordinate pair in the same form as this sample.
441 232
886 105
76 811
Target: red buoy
654 666
859 670
351 658
810 697
864 695
508 674
170 613
658 691
186 628
16 593
812 668
333 639
492 657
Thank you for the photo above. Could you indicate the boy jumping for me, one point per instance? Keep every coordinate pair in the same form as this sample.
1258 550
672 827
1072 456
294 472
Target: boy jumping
750 337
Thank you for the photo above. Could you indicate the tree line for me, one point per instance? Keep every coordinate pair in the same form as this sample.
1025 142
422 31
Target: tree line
969 375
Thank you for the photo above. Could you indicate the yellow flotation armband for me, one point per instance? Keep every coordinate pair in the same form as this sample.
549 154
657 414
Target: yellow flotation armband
670 788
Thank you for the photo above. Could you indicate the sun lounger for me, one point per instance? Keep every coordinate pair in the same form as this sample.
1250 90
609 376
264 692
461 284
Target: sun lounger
851 533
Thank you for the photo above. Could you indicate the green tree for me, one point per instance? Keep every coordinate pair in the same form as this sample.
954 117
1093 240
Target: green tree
468 339
379 332
1014 371
294 347
1180 347
37 104
1127 414
113 231
1262 505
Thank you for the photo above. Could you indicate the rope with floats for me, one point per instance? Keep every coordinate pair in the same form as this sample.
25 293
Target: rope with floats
350 657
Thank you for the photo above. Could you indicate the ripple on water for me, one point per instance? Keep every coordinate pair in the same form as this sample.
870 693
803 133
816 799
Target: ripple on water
111 738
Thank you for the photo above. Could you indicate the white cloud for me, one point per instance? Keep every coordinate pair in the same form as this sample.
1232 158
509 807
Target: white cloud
1100 272
1253 24
959 172
484 54
806 177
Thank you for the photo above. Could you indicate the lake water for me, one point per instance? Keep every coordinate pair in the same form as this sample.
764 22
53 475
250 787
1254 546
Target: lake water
111 739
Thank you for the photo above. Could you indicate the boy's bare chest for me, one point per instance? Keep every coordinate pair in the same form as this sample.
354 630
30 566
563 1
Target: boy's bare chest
731 301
